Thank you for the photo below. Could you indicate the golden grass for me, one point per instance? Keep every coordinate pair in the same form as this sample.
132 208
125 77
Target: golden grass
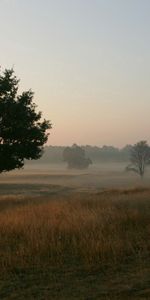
96 230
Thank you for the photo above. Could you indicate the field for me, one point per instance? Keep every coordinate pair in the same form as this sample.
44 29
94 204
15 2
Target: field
74 235
39 179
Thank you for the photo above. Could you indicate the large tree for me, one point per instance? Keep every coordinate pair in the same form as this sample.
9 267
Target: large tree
140 158
22 131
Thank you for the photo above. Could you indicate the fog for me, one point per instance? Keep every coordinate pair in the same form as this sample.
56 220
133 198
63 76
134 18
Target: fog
47 179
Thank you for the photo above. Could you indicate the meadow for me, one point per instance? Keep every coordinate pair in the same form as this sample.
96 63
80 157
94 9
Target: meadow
74 241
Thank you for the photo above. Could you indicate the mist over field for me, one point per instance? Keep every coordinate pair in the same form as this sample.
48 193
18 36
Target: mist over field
39 179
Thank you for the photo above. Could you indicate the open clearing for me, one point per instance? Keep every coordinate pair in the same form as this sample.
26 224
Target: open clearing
74 235
45 180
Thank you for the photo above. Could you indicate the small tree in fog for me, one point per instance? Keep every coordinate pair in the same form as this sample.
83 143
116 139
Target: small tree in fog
139 157
75 157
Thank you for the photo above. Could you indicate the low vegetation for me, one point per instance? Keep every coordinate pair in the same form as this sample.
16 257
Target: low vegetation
101 240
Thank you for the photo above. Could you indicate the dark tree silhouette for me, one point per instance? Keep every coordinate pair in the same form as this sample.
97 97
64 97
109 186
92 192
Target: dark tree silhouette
140 158
75 157
22 133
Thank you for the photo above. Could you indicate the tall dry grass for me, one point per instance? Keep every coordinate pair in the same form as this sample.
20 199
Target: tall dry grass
94 230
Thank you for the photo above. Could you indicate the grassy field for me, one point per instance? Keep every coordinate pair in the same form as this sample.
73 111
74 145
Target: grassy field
76 245
45 180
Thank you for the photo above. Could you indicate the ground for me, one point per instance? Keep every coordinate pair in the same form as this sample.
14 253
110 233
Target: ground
74 235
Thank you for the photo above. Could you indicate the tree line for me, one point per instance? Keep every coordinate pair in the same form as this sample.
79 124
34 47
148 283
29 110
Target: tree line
54 154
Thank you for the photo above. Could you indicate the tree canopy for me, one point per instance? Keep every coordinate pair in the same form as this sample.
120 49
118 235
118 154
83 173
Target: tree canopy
75 157
22 132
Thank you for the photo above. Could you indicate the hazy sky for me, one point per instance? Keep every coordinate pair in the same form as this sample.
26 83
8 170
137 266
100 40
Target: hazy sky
88 62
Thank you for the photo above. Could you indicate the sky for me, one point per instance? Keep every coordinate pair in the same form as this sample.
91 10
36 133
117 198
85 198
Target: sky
88 63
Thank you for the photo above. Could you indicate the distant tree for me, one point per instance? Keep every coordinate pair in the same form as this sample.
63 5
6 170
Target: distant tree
140 158
75 157
22 133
